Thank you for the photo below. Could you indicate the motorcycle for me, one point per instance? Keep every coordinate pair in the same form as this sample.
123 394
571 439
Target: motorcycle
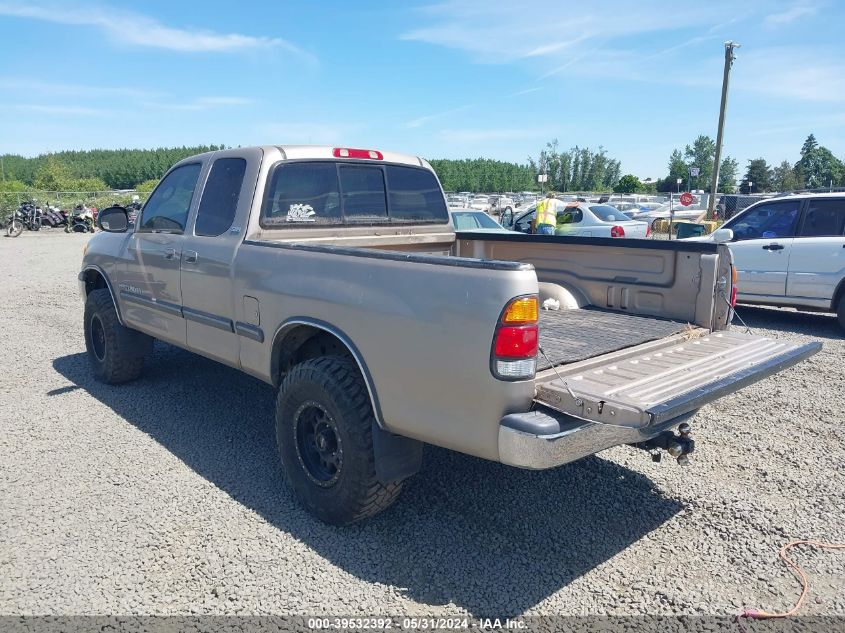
28 216
81 220
53 217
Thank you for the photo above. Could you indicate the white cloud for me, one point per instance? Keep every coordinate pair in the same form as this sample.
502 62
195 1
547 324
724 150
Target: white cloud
554 30
792 72
308 133
22 85
61 110
423 120
200 103
464 135
130 28
795 12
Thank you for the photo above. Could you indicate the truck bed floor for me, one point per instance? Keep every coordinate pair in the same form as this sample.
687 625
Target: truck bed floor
568 336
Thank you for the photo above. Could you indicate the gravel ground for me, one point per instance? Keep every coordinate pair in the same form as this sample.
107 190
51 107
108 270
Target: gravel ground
164 496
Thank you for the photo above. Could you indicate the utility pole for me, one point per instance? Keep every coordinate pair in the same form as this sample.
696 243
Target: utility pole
714 185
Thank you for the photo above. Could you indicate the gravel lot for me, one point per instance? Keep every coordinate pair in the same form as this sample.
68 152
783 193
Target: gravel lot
165 496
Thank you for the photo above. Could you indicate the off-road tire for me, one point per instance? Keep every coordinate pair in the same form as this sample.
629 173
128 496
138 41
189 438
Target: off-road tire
116 352
335 385
840 312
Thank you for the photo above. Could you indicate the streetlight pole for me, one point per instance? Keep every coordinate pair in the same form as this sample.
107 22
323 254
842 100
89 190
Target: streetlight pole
714 184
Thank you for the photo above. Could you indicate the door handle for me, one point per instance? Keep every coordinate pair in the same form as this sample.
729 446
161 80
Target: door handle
191 257
773 247
169 253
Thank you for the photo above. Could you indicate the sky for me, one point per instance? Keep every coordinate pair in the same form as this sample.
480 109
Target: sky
450 79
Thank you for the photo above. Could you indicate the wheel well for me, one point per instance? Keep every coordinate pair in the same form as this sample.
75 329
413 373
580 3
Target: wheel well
840 290
94 281
303 342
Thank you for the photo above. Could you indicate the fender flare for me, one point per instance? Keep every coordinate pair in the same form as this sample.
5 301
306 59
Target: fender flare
396 457
293 322
81 277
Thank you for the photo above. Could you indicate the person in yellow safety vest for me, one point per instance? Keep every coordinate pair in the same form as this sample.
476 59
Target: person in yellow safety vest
547 215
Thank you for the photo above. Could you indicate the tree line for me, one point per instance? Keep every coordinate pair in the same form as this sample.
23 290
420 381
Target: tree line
93 170
575 169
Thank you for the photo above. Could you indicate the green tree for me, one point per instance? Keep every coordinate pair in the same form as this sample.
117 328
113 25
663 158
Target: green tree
52 175
818 167
759 175
728 173
628 184
677 169
701 154
784 177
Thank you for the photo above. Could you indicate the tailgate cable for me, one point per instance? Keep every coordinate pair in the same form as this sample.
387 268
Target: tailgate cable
579 402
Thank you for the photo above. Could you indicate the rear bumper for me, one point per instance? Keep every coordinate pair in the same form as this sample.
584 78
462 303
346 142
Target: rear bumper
546 438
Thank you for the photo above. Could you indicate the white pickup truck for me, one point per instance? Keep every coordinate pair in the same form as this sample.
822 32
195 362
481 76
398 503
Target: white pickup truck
335 275
790 251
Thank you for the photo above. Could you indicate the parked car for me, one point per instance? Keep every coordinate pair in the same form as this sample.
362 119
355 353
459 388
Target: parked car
502 204
482 203
343 285
598 220
473 220
664 211
582 219
457 202
790 251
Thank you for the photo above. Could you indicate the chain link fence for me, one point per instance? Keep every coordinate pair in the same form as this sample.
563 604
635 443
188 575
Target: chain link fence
67 200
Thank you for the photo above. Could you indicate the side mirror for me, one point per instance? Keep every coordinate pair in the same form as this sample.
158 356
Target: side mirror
722 236
113 219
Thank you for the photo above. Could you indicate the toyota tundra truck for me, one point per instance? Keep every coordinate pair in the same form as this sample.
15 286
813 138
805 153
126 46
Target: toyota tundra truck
334 274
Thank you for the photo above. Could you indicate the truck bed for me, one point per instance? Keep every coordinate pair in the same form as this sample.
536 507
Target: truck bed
568 336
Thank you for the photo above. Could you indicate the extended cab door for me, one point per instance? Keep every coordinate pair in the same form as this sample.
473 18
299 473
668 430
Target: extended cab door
208 302
763 238
149 286
817 263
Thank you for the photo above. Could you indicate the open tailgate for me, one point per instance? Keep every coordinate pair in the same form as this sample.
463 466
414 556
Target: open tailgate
656 382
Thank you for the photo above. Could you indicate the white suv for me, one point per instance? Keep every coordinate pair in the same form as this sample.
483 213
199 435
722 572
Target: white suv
791 252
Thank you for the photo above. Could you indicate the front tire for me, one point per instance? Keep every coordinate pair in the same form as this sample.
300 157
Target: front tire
116 352
324 432
15 228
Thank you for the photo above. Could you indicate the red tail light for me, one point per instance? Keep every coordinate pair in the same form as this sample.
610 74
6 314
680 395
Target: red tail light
733 297
348 152
617 231
514 354
516 341
648 230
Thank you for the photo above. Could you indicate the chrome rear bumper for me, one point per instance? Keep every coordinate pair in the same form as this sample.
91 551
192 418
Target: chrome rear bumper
546 438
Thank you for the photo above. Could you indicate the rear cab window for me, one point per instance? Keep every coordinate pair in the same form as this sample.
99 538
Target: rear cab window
824 218
220 197
309 193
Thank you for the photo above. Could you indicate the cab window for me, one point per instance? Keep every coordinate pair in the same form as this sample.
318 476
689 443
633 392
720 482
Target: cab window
824 218
167 209
220 197
766 221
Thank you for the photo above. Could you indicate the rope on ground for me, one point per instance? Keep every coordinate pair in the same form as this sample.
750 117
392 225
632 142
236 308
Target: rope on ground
759 614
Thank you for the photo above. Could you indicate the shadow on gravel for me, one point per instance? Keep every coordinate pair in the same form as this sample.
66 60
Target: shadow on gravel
491 539
787 320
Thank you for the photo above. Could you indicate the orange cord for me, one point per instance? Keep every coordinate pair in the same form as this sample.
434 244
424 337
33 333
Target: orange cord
757 614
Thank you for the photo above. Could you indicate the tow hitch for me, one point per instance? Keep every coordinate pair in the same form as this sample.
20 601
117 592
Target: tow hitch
678 446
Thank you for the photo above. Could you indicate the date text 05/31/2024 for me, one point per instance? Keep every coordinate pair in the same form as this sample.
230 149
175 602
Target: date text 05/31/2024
415 623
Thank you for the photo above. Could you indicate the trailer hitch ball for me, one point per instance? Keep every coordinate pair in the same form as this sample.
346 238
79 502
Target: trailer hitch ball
675 449
683 460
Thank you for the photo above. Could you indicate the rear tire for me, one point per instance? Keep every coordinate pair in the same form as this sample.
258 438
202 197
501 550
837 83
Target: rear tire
324 432
840 312
116 352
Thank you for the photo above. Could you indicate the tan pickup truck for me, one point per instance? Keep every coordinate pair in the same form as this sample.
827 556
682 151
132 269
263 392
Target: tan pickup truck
335 275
